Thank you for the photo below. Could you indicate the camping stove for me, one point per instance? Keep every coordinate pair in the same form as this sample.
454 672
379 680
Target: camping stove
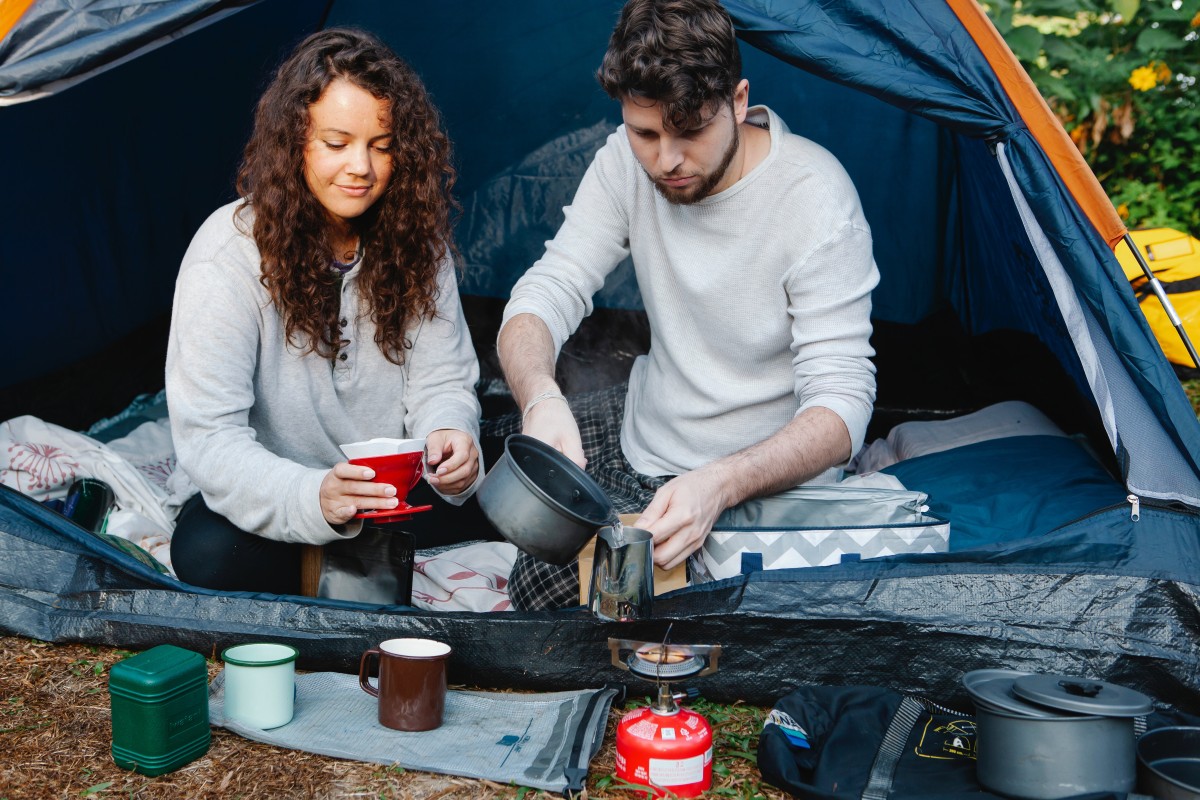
664 747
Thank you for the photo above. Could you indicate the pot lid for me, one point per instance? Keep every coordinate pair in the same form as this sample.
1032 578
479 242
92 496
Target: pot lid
993 689
1082 696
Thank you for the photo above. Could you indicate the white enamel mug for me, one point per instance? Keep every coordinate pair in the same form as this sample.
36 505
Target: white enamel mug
260 684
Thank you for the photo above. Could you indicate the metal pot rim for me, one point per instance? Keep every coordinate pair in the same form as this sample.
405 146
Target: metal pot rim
566 464
1150 766
1036 696
1064 716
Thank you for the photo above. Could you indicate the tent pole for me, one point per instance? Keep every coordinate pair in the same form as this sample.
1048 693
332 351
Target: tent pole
1161 294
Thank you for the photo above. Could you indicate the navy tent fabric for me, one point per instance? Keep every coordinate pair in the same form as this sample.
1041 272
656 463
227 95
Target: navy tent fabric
116 175
1006 489
59 40
915 56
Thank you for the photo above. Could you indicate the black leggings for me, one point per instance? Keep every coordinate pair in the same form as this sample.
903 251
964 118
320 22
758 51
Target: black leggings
210 551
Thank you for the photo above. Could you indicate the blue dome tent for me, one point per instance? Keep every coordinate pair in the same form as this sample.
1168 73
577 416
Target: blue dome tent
998 281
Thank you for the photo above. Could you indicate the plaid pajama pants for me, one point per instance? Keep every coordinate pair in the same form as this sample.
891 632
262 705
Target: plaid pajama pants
535 585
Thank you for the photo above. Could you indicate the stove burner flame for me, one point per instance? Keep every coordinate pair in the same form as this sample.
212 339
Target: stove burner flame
665 661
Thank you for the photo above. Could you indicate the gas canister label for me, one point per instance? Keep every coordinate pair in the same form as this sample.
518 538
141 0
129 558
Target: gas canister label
677 772
643 729
668 733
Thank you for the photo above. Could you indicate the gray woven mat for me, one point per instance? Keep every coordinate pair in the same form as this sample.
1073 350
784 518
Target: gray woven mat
544 741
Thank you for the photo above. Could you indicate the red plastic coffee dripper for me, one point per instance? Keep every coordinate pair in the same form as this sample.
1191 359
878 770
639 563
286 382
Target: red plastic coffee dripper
401 470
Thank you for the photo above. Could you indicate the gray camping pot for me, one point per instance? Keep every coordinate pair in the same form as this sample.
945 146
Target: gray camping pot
1169 763
542 501
1043 737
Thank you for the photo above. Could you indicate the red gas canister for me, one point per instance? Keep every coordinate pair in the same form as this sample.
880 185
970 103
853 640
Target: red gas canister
669 751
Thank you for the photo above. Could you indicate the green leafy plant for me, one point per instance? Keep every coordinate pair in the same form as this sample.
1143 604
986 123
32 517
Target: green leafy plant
1192 389
1121 76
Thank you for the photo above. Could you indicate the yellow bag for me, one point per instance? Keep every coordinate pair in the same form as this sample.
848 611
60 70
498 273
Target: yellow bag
1174 258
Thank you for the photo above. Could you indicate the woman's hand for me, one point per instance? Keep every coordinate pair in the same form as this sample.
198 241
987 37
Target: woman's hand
348 489
453 460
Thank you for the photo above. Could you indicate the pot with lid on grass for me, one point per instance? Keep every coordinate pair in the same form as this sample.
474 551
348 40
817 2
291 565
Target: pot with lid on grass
1043 737
543 502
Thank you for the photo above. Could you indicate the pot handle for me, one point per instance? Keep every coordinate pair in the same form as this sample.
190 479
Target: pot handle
1081 688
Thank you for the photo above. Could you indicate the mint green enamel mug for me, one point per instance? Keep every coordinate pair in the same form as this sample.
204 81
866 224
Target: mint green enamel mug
260 684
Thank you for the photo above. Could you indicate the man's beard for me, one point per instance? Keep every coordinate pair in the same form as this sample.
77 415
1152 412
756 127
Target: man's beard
685 197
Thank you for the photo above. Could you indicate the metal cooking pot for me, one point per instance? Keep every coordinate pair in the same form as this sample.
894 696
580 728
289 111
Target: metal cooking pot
1169 763
542 501
1044 737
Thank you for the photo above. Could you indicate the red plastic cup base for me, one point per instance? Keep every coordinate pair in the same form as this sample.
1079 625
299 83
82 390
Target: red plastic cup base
399 512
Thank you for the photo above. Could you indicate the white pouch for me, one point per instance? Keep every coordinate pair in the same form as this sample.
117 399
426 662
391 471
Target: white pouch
816 526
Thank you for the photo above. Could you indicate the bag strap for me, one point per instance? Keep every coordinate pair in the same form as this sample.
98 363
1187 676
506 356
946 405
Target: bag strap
577 762
883 771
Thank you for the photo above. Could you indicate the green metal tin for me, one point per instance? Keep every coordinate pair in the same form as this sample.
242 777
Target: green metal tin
159 704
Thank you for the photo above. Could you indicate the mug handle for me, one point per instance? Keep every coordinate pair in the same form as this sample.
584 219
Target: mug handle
363 672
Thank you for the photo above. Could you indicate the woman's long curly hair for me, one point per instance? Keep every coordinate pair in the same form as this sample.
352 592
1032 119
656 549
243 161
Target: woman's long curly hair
407 233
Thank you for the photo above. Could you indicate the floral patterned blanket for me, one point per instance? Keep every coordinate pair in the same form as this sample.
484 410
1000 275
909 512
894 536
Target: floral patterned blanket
42 460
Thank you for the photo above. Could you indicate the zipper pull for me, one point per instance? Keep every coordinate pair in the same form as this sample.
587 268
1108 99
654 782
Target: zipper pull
1136 512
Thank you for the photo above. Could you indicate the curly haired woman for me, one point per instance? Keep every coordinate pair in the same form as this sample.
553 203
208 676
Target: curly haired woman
322 308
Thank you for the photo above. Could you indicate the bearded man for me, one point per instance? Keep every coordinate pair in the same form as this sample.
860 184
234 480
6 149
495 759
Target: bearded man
755 267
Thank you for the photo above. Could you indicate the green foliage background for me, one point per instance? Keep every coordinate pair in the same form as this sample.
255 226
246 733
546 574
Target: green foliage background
1121 76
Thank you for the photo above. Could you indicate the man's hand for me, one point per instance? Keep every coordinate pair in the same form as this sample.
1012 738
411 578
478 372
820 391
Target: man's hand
452 459
527 355
551 421
684 510
682 513
347 489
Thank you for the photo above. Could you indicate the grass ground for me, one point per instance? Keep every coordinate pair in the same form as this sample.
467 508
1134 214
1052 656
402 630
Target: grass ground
56 734
1192 388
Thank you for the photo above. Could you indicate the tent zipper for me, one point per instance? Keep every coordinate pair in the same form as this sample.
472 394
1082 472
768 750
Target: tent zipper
1134 504
1176 506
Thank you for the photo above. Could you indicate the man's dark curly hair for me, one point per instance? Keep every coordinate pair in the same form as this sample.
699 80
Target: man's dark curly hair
681 53
407 232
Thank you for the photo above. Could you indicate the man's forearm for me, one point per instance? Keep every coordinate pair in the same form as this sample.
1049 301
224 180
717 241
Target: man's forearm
527 357
811 443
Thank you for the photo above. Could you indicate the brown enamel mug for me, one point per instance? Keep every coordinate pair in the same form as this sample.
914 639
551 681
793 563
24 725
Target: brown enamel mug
412 682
